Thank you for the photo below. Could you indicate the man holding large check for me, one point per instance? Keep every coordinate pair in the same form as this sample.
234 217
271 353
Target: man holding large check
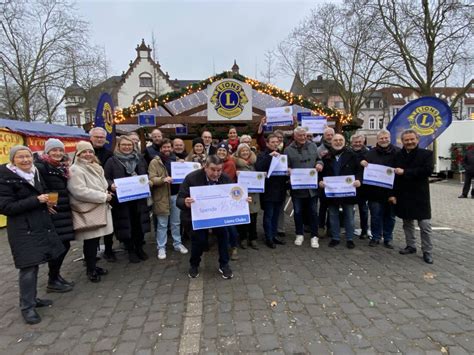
205 204
379 175
340 177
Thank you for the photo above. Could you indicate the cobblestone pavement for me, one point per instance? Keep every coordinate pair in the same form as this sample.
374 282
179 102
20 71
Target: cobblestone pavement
287 300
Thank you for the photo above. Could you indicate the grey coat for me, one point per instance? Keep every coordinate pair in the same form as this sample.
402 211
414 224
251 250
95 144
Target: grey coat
303 157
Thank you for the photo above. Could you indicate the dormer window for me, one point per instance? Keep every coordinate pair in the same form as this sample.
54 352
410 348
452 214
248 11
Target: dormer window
397 95
145 80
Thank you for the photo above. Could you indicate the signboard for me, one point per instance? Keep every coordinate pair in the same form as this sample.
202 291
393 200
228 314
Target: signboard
300 115
146 120
36 144
104 117
181 131
229 100
7 141
428 116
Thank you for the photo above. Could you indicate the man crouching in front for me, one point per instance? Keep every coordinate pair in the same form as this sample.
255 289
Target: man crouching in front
211 174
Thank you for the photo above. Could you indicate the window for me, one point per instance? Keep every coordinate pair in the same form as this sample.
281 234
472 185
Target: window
339 104
372 104
372 123
470 95
317 91
381 104
145 80
395 111
380 122
397 95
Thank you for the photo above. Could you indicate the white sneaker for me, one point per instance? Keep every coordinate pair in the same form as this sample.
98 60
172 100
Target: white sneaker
299 240
315 242
181 248
161 254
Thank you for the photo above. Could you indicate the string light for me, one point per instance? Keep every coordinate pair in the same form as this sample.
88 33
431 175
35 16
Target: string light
121 115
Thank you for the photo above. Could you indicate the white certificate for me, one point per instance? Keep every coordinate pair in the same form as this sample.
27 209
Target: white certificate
219 206
278 166
379 175
253 180
304 179
179 170
132 188
279 116
339 186
314 124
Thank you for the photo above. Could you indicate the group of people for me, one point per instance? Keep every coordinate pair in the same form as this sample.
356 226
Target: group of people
50 199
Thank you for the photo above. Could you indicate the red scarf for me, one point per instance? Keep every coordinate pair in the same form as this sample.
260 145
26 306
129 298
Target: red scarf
62 166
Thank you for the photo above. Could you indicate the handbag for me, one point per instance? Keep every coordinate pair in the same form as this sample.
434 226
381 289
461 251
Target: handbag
88 215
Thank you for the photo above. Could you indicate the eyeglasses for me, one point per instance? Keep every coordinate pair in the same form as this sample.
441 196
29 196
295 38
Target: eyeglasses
99 137
126 145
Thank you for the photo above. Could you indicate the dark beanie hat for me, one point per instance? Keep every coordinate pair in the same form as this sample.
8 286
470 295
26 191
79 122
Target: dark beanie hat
198 140
223 145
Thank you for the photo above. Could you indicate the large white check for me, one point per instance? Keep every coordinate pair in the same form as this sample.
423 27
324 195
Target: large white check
179 170
379 175
339 186
132 188
304 179
278 166
219 206
253 180
279 116
314 124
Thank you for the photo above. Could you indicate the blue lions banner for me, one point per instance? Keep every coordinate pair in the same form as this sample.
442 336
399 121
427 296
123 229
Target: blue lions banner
428 116
104 117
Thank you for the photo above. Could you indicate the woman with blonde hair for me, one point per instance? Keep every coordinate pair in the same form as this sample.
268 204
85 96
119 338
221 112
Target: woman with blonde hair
245 160
89 202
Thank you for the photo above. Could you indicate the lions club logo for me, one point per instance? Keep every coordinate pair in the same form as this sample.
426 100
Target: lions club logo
389 171
229 99
196 166
236 193
349 180
425 120
312 173
259 176
142 180
108 117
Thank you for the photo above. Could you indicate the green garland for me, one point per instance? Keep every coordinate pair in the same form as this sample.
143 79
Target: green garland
121 115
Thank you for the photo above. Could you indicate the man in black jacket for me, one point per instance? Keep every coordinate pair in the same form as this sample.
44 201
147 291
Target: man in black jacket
382 213
206 137
275 192
211 174
414 166
154 149
98 137
360 150
468 164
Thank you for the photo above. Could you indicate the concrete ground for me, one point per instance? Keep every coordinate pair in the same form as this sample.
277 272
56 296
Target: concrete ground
286 300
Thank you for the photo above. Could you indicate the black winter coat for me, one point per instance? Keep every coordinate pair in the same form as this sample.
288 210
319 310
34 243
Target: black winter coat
412 189
196 178
275 186
31 233
103 154
349 166
381 157
54 181
123 212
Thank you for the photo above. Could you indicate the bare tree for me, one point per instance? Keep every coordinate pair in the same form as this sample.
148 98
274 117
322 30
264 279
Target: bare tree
37 40
154 56
430 40
270 72
343 42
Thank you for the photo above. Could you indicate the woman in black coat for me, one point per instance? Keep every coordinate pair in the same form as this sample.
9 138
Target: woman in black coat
53 167
131 219
31 234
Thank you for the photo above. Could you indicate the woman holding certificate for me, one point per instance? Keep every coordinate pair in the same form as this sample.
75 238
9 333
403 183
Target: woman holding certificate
131 218
339 179
89 203
245 161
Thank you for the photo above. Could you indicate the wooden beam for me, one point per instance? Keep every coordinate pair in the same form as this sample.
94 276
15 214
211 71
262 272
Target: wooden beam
194 110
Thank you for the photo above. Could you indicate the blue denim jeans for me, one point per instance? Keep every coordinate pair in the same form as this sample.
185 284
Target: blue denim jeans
382 220
199 242
270 219
363 214
310 206
233 236
348 213
162 226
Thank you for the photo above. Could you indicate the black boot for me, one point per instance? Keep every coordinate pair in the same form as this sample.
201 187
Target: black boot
31 316
133 257
141 253
64 281
55 285
93 276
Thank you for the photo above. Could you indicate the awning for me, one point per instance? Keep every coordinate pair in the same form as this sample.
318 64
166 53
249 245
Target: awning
43 129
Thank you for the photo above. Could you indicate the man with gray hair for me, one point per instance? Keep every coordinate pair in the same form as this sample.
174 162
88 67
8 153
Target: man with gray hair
360 150
303 155
154 149
414 166
323 149
382 212
98 136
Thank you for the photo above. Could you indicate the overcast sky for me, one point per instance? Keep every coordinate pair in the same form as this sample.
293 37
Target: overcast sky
194 37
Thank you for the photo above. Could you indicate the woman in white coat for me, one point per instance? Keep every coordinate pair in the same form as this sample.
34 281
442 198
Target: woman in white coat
87 185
